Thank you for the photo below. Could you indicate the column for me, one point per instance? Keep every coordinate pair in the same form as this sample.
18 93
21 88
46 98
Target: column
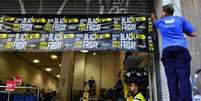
66 80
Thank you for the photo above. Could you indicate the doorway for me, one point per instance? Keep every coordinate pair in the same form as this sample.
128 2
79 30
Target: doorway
107 68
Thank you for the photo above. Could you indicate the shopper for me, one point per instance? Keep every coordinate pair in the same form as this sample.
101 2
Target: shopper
41 95
175 57
47 96
54 96
92 86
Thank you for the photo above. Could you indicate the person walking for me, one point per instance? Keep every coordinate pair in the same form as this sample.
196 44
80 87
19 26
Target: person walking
175 55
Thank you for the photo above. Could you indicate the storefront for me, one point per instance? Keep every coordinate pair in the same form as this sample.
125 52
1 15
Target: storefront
89 39
106 41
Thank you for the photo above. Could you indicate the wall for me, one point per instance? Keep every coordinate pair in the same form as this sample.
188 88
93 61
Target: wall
11 65
103 67
191 10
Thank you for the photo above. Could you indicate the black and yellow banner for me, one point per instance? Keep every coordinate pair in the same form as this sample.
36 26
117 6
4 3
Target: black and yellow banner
60 33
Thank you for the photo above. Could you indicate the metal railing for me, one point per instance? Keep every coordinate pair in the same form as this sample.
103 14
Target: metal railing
195 83
196 86
21 87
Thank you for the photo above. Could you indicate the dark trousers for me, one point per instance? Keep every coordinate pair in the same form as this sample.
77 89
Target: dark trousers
176 61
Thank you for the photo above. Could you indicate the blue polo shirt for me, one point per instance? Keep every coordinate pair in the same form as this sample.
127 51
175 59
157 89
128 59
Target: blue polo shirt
172 30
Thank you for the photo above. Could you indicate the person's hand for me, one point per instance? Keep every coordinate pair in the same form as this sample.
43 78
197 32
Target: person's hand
193 34
153 17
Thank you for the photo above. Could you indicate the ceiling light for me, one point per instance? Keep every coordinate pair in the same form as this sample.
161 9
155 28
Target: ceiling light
59 65
54 57
48 69
94 53
58 76
36 61
84 51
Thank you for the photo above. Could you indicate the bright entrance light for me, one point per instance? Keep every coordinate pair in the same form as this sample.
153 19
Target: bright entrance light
84 51
36 61
54 57
48 69
58 76
60 65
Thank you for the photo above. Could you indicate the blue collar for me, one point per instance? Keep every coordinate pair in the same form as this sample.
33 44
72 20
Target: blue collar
167 16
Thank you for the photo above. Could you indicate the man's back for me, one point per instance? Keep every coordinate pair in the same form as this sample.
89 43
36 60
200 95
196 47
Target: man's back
172 29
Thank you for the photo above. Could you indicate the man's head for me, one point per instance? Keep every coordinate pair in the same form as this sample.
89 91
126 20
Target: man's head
167 10
134 87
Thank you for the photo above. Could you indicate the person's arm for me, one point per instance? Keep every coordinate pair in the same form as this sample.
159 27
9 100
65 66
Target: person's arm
188 28
193 34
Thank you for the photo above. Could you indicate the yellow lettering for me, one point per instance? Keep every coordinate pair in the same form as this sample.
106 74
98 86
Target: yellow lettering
43 45
3 36
9 45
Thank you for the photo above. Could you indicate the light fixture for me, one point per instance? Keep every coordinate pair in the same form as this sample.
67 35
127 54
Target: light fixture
58 76
48 69
59 65
84 51
36 61
54 57
94 53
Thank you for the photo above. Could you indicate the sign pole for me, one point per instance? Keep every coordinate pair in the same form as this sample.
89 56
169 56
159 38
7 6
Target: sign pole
8 96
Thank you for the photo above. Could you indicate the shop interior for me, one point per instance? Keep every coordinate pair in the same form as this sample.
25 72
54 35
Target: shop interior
107 69
40 73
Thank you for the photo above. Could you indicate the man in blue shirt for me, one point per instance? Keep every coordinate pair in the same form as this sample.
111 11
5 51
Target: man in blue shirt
176 58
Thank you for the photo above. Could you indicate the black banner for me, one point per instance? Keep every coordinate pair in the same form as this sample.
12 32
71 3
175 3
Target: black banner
60 33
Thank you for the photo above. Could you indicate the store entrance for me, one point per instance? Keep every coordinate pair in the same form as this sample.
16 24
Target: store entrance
102 75
95 52
105 75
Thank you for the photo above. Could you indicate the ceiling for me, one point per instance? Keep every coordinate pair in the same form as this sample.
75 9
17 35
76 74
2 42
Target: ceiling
136 60
45 60
76 7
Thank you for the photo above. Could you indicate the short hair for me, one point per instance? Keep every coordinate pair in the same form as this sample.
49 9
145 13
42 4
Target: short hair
136 84
169 9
